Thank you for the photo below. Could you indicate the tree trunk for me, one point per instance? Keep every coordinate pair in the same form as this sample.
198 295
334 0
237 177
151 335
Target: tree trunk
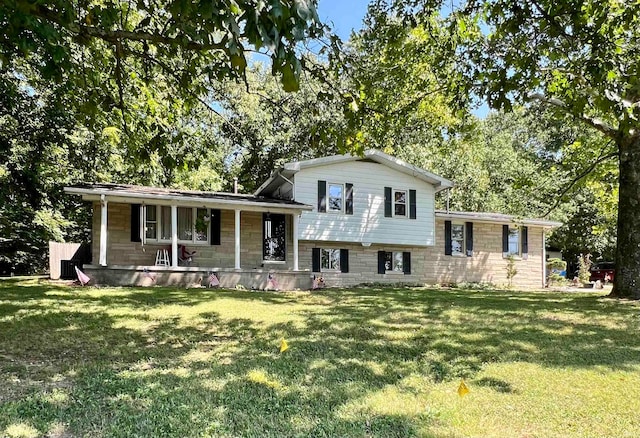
626 282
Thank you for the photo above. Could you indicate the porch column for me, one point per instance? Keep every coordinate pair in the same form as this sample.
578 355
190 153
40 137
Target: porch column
103 230
237 264
296 218
174 236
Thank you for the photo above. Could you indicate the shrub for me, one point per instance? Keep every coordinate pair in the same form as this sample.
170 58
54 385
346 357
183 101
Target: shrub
584 268
511 268
554 267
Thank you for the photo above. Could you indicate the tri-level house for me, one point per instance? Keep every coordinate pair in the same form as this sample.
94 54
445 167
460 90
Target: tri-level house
348 219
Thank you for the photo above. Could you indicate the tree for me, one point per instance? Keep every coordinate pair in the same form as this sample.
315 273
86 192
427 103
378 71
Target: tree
396 101
578 58
190 40
265 127
114 91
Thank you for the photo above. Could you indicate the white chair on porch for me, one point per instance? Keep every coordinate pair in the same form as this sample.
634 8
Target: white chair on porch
162 258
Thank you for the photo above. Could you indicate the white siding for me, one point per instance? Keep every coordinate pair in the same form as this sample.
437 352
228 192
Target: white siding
367 223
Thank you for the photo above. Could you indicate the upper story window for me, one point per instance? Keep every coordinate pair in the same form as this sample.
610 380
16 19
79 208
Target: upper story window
400 203
336 197
193 225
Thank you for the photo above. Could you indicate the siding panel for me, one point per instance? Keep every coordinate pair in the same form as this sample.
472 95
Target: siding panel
367 223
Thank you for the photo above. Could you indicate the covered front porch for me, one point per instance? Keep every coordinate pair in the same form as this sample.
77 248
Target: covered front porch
199 233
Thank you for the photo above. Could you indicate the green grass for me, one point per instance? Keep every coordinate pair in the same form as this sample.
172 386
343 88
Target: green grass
364 362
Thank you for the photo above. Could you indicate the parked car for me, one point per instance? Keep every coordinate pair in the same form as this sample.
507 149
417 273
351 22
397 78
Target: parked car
603 271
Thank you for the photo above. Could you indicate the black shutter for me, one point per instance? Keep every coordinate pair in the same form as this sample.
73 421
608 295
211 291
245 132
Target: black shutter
525 242
322 196
381 262
505 240
412 204
447 238
135 223
344 260
216 219
315 259
469 238
348 207
406 262
387 202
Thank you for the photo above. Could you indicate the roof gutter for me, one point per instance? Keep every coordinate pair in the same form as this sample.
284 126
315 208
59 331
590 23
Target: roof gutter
488 220
93 194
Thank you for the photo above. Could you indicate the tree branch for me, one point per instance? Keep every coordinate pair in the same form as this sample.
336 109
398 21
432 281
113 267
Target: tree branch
114 36
594 122
168 70
581 175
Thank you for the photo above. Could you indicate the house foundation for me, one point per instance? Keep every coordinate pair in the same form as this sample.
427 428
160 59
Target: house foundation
190 276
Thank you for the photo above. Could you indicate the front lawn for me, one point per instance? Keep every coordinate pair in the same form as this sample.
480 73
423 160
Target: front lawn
363 362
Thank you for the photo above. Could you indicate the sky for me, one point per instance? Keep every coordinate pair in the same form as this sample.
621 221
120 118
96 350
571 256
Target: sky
343 15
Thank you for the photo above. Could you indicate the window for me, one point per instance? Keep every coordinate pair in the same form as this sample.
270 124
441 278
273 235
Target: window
330 259
336 195
151 222
457 239
185 223
165 223
193 224
274 238
514 242
400 203
202 225
393 261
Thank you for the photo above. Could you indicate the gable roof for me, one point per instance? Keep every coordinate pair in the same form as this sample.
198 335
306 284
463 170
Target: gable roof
289 169
137 194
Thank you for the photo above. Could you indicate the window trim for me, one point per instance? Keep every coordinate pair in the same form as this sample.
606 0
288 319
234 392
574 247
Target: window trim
342 197
322 258
463 252
406 203
158 222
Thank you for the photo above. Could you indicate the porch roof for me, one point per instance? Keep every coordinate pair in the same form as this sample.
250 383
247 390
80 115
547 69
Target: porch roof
156 195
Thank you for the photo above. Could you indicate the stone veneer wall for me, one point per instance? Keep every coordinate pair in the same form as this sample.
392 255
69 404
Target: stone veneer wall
121 251
429 264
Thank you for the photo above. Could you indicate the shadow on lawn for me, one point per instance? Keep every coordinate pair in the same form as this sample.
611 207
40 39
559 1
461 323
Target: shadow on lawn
221 375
